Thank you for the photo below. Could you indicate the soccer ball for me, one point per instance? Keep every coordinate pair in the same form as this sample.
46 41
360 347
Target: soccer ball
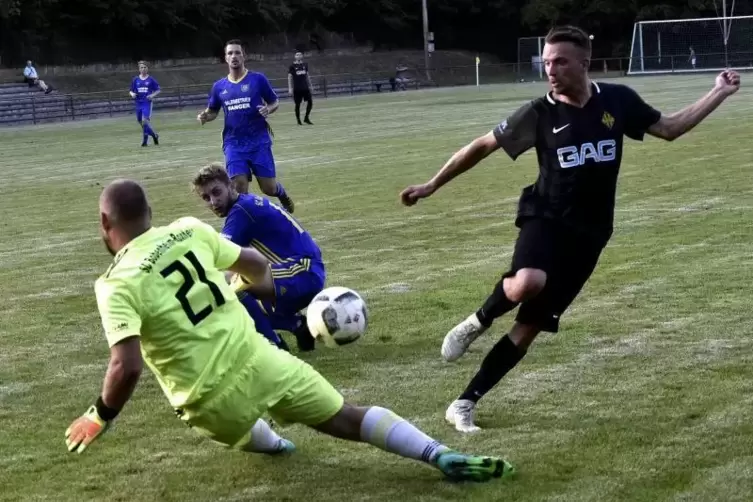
337 316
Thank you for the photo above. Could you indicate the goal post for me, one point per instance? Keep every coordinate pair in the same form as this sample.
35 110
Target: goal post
692 45
530 64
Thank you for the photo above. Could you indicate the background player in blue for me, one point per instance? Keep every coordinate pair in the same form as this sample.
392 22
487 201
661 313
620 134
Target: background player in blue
297 268
247 98
144 88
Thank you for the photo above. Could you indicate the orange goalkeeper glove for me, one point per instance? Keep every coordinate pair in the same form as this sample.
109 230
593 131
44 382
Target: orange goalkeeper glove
88 427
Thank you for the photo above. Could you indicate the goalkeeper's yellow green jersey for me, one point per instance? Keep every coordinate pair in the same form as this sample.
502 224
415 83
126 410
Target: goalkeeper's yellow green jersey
167 286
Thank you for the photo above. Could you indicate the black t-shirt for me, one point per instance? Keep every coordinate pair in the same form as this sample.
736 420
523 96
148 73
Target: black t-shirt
300 72
579 153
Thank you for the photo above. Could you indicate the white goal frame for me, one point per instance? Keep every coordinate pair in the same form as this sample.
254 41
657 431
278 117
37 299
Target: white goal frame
638 58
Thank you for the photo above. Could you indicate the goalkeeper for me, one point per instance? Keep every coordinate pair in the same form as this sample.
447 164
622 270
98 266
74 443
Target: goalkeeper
164 298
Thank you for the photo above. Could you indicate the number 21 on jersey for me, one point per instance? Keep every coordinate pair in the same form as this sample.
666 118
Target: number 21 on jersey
188 283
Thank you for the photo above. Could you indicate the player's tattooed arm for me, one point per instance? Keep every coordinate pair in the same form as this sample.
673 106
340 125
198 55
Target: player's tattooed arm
207 116
269 108
670 127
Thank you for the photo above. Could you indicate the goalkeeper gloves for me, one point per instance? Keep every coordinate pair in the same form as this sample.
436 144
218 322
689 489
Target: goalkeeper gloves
89 426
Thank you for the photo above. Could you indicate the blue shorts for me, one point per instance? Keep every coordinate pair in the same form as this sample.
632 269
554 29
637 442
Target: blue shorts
143 110
258 162
296 284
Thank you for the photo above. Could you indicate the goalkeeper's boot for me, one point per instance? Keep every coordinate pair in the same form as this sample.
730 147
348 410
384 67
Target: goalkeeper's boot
460 467
459 338
285 447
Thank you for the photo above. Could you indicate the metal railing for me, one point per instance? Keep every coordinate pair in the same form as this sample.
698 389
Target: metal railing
34 108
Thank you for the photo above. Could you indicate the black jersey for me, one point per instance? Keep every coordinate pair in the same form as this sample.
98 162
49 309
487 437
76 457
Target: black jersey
579 153
300 73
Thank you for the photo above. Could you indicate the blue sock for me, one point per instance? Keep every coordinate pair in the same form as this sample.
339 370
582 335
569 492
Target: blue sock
148 130
280 191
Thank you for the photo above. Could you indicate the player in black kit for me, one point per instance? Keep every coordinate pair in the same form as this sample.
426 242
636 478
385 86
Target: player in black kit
299 86
565 218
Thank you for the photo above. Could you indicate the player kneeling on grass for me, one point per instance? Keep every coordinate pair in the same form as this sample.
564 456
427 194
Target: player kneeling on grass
164 298
298 271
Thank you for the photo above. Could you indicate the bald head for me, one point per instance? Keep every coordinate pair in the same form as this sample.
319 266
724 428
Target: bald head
124 202
124 214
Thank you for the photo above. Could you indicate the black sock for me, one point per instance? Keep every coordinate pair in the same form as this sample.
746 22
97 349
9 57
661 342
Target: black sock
298 112
496 305
309 106
501 359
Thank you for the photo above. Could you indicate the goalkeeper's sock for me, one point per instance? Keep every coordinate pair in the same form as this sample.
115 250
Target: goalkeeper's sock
385 430
265 440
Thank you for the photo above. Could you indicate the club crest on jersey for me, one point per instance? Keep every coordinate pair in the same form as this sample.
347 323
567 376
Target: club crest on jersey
607 120
574 156
244 88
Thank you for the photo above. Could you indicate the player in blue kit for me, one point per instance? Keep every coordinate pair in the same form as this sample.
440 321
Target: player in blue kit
144 88
298 271
247 99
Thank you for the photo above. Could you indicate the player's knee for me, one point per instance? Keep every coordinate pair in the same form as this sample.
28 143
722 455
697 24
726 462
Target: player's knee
527 283
268 186
240 183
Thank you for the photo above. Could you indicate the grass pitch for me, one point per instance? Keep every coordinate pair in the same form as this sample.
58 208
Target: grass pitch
644 395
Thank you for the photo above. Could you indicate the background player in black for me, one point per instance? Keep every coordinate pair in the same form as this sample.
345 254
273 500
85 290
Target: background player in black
299 85
565 217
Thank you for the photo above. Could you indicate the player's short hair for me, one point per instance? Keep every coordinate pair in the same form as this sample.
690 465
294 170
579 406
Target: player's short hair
207 174
142 62
126 201
236 41
572 34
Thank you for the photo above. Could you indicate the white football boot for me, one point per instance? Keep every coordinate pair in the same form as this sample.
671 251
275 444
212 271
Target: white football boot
460 415
459 338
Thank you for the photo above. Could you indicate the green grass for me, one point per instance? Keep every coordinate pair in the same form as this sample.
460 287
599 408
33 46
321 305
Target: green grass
644 395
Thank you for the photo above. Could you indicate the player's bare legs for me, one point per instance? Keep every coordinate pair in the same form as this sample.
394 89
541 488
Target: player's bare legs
240 183
272 188
508 293
383 429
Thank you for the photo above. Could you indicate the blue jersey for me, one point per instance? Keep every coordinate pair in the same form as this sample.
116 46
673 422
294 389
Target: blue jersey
245 129
143 87
254 221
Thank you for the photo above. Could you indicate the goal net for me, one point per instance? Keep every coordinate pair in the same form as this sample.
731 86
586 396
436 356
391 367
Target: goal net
530 65
692 45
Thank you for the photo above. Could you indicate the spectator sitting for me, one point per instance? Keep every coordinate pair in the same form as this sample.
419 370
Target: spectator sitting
32 78
401 76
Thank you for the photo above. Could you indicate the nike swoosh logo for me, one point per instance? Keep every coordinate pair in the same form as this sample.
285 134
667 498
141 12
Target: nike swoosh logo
558 129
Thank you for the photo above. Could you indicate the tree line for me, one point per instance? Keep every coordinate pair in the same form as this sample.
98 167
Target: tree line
86 31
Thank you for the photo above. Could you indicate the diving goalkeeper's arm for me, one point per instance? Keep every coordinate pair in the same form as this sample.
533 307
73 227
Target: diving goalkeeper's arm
123 372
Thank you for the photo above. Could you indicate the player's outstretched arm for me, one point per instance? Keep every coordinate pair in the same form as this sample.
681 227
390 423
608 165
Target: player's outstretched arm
671 127
255 270
463 160
123 373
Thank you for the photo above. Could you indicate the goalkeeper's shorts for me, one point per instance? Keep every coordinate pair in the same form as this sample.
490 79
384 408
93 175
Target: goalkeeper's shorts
272 381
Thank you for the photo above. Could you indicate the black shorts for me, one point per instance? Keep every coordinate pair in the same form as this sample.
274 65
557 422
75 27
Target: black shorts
304 95
568 257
